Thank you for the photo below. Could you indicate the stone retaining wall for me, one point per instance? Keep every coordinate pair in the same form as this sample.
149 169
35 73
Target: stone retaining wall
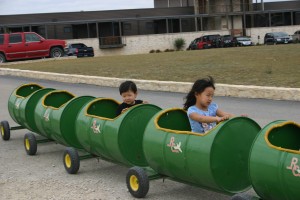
276 93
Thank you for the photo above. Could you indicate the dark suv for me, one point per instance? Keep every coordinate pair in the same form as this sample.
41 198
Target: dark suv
277 38
226 41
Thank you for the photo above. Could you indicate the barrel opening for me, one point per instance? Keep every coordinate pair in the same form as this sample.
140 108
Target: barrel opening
286 136
57 99
174 119
131 132
31 105
230 153
105 108
68 120
26 90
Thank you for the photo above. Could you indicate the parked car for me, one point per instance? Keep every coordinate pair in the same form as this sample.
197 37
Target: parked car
205 42
193 44
27 45
198 43
242 41
226 41
79 50
296 36
212 40
277 38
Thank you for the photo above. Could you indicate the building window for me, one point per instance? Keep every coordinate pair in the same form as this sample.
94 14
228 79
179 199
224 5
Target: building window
67 29
149 25
127 26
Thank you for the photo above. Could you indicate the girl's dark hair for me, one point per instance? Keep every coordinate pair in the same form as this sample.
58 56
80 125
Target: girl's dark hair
198 87
127 86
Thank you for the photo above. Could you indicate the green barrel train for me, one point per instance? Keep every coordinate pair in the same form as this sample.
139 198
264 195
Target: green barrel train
158 143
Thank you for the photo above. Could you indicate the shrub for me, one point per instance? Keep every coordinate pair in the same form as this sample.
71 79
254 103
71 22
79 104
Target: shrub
179 43
157 51
152 51
169 50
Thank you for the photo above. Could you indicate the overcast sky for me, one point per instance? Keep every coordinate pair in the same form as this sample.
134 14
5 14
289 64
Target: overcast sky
10 7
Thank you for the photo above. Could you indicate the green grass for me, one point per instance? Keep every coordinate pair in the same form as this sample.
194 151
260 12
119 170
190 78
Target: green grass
273 65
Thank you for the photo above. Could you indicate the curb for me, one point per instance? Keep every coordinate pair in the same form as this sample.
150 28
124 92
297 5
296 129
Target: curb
275 93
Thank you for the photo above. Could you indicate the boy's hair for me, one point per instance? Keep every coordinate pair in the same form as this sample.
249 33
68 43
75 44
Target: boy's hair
198 87
127 86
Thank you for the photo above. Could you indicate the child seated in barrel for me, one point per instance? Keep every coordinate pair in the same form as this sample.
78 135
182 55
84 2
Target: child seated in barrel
202 112
128 92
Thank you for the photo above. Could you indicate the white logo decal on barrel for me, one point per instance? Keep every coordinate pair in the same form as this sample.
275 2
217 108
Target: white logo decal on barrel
96 127
46 115
294 167
18 102
175 148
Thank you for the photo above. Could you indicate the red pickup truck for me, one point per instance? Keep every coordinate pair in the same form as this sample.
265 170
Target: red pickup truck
25 45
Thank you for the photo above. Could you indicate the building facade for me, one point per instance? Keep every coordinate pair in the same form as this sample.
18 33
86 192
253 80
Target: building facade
111 28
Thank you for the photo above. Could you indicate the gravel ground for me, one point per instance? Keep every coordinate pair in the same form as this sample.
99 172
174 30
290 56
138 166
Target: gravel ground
43 176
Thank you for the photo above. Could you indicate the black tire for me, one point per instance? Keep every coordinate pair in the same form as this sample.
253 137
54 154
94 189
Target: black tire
2 58
137 182
30 144
243 196
5 130
56 52
71 160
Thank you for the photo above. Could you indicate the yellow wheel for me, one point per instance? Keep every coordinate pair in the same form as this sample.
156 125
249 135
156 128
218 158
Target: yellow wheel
134 183
2 131
27 144
68 160
30 144
137 182
71 160
5 130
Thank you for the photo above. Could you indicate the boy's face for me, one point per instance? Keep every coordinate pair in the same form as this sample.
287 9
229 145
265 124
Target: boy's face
129 97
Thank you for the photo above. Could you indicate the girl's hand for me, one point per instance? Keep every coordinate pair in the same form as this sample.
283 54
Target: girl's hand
220 119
